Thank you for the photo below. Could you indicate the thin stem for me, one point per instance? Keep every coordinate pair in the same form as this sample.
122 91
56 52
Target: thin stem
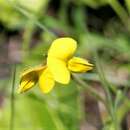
63 11
12 107
27 36
107 88
89 88
31 17
121 12
104 82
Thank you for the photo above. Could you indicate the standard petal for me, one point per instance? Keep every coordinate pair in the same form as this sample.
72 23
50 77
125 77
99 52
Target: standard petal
77 64
46 81
59 70
63 48
29 78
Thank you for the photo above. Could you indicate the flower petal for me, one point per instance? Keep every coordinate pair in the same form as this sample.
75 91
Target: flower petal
29 78
36 70
59 70
46 81
77 64
63 48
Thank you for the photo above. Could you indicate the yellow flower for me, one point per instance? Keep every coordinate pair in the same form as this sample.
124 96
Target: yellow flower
60 64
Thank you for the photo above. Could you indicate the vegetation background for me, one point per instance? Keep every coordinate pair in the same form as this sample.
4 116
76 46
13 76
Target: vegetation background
27 29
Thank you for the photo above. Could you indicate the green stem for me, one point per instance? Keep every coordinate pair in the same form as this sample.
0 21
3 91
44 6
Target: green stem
121 12
89 89
31 17
123 109
105 84
27 36
107 88
63 11
12 107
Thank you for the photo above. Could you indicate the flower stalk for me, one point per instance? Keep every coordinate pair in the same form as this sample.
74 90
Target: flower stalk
12 99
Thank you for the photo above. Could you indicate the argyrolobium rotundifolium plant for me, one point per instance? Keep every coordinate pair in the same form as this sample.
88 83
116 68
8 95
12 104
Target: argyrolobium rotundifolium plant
60 64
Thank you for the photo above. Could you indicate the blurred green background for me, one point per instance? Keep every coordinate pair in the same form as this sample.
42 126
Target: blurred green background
27 29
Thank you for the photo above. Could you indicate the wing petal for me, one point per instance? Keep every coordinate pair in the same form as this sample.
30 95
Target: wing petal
46 81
